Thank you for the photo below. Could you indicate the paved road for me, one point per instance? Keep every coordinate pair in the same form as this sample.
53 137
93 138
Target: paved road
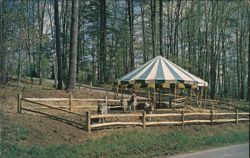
235 151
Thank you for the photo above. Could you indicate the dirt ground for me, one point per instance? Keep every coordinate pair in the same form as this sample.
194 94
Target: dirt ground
41 129
28 129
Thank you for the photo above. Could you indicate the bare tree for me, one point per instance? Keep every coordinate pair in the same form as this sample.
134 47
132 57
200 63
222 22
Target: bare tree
40 13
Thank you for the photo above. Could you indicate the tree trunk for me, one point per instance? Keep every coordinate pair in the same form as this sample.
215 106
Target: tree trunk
131 32
19 67
73 45
167 34
65 36
40 21
213 55
29 54
238 63
103 61
224 75
160 27
177 14
248 96
79 44
241 64
152 6
58 46
93 60
2 43
143 32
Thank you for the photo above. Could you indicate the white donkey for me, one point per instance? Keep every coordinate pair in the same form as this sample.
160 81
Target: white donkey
102 109
149 108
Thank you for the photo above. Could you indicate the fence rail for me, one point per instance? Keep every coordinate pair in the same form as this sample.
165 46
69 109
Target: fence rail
110 103
46 106
143 119
180 120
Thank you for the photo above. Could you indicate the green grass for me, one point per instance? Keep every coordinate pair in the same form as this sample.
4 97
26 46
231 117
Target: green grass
242 105
15 132
130 144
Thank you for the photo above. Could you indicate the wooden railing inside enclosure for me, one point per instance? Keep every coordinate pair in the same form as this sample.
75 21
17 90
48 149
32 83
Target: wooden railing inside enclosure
69 103
219 104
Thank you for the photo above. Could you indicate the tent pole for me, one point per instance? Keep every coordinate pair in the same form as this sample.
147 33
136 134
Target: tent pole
205 96
159 96
201 95
114 92
191 93
117 91
148 94
122 91
175 93
154 98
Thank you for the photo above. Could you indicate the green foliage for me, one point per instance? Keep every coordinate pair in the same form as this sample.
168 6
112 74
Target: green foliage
130 144
206 33
45 67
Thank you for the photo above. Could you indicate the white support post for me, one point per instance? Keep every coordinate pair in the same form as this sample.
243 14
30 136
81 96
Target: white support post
175 93
154 98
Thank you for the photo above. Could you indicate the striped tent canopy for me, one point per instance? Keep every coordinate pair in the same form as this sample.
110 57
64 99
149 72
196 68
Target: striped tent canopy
160 70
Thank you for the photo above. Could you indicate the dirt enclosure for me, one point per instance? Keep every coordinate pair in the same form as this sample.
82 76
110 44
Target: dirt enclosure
54 127
72 109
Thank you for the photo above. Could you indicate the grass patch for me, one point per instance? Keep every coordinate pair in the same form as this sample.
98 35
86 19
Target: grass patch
15 133
131 144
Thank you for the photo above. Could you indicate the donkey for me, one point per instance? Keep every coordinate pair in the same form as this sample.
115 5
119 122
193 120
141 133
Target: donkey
149 108
102 109
132 103
124 104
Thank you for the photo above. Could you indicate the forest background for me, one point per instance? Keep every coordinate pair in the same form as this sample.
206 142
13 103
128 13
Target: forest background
101 40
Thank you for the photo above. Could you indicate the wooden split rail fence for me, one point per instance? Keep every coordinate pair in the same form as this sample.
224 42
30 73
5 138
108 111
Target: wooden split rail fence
67 107
144 118
143 121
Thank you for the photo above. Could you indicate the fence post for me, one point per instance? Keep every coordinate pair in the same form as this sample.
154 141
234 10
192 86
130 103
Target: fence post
144 119
19 103
236 117
70 101
182 118
88 121
211 117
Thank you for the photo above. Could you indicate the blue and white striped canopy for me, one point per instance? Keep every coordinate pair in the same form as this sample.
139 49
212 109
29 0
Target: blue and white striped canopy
161 70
